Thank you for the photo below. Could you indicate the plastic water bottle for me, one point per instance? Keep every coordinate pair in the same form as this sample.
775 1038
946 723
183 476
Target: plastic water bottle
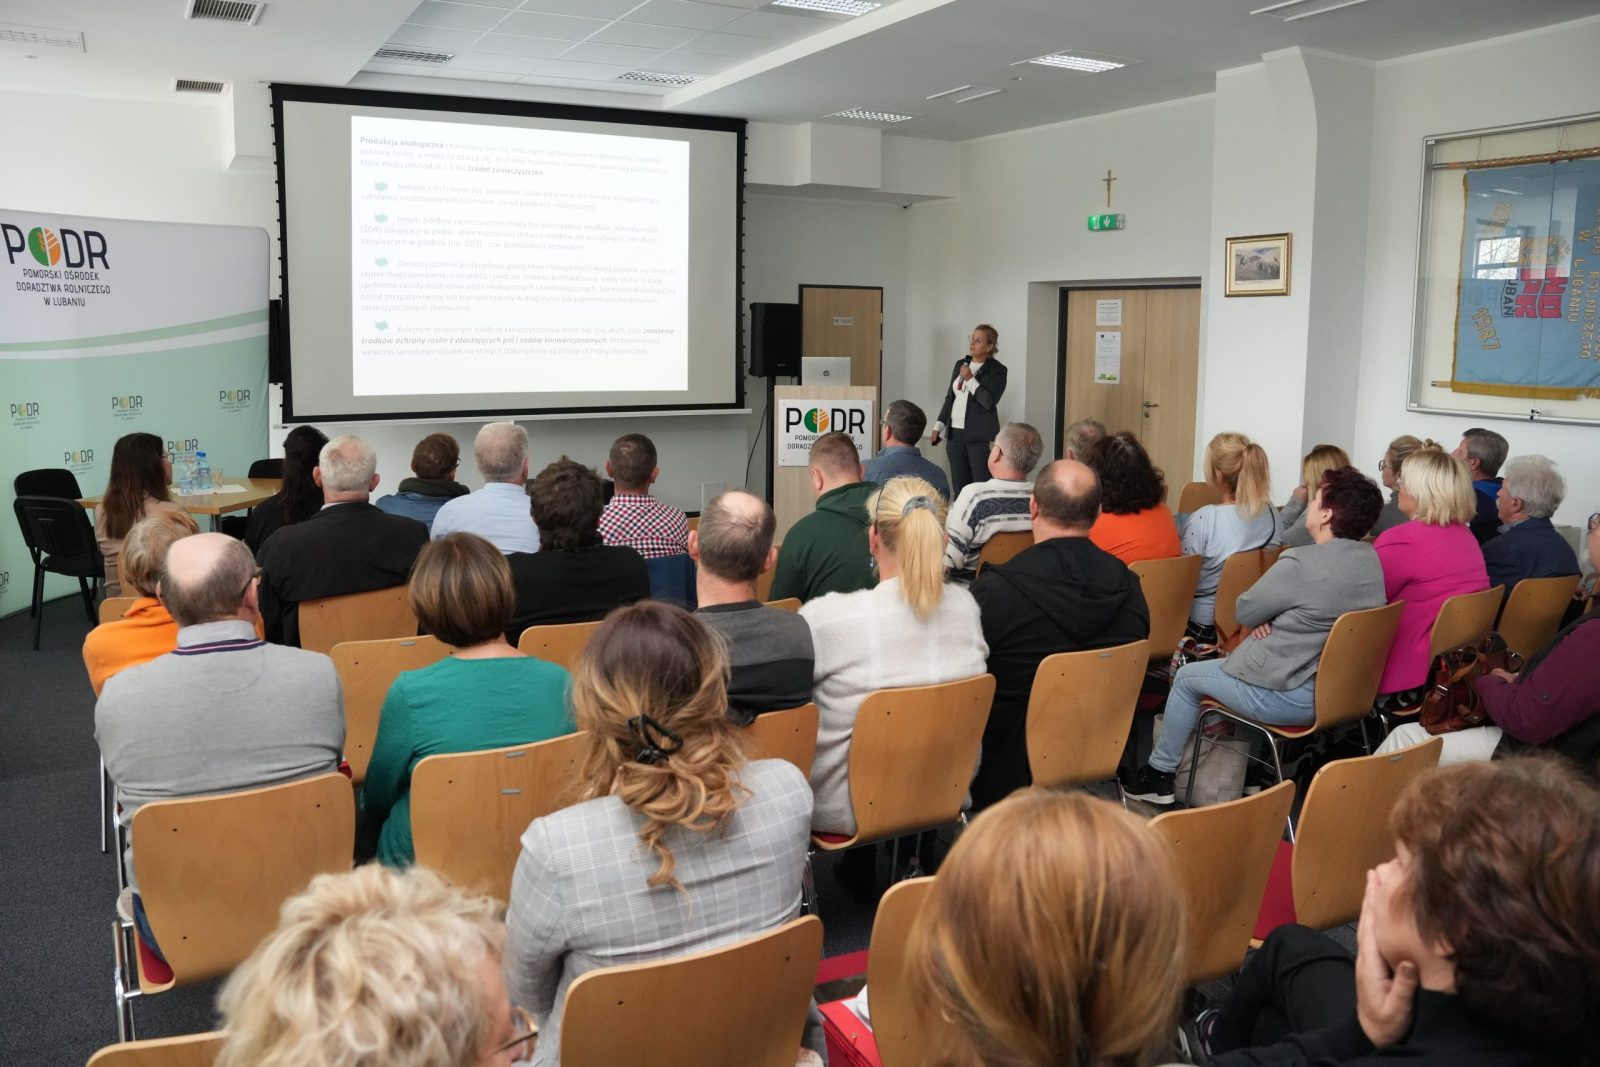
185 475
202 473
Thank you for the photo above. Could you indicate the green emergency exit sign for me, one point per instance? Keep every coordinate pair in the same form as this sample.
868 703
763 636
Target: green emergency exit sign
1105 222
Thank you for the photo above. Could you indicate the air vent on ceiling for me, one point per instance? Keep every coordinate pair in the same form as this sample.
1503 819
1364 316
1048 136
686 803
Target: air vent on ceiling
652 77
40 36
193 85
411 55
963 93
1294 10
862 114
235 11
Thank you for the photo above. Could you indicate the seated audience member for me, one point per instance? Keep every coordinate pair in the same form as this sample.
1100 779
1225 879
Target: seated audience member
299 498
826 551
680 844
1425 562
224 710
485 694
432 483
1556 693
141 470
1271 676
1135 522
1292 517
1081 438
347 547
573 577
1051 938
1064 594
1528 545
913 628
498 512
1235 467
1479 943
376 967
1389 468
898 454
769 649
999 505
1483 451
146 630
633 518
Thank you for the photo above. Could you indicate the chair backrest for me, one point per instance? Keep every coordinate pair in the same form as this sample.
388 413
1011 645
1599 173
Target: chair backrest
905 1036
789 734
1533 614
1239 572
47 481
56 526
1080 712
764 581
912 754
1168 586
788 603
560 643
1352 662
1197 495
1344 830
1224 853
1465 619
672 579
469 809
743 1004
267 468
1003 546
113 608
214 870
331 620
190 1050
366 671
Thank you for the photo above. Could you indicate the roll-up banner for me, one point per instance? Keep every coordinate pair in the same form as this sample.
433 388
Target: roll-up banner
110 327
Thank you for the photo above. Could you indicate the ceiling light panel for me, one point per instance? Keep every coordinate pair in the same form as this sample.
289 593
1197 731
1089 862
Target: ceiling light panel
862 114
1082 62
847 8
656 77
40 36
411 55
1294 10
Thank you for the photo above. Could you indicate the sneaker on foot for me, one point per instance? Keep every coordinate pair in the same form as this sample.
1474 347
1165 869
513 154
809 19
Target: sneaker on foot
1151 786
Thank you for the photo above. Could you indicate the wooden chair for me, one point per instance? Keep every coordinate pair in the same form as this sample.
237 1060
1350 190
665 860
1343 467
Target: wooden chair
214 870
790 734
558 643
1533 613
788 603
1465 619
905 1036
1239 572
331 620
1168 586
366 671
113 608
190 1050
1003 546
1347 684
1344 833
469 809
764 581
1197 495
1224 853
680 1012
1080 712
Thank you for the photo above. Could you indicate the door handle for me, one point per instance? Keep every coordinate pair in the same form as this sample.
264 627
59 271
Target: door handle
1147 404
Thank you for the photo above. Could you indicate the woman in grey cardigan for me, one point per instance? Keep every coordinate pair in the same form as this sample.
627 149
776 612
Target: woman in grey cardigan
1271 676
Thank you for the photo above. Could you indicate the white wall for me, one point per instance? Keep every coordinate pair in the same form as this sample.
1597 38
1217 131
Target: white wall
1440 93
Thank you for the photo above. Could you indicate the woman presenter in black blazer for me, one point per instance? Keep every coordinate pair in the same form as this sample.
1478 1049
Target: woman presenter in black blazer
968 416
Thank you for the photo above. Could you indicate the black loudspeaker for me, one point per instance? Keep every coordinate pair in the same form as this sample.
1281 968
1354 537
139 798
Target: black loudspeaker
775 340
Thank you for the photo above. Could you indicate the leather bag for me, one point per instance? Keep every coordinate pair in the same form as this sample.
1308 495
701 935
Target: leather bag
1451 703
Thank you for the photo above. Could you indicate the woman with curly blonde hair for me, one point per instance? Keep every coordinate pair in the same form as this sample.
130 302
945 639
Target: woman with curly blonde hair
679 844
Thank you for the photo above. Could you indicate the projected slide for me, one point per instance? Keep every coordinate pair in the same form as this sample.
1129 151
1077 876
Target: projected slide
505 259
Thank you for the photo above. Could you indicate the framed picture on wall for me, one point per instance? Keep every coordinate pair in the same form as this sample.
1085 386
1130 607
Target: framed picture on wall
1258 265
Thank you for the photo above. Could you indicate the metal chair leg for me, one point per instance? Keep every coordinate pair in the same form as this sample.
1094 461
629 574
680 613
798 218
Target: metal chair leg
808 887
124 978
103 809
38 604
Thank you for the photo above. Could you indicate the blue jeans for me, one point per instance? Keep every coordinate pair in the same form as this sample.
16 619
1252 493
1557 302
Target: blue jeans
1290 707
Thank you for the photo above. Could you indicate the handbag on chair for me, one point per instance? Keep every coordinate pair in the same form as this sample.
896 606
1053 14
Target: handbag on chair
1451 703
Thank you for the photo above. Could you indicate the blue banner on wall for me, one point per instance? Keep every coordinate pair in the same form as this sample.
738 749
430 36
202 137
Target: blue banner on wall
1529 282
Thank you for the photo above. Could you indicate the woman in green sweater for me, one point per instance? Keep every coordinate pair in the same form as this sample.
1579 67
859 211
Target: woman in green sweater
486 694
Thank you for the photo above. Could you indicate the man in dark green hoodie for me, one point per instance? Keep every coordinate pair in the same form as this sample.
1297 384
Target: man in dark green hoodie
826 552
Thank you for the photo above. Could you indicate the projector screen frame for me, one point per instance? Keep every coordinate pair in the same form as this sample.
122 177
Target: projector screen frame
288 92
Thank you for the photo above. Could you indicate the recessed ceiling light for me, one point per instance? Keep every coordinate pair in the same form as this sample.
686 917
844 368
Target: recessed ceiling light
830 7
392 54
657 78
865 115
1083 62
1306 8
40 36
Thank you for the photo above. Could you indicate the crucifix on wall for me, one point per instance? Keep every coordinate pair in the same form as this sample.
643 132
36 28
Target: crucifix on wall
1108 179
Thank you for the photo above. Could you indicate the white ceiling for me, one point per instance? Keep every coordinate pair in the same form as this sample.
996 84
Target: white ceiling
753 61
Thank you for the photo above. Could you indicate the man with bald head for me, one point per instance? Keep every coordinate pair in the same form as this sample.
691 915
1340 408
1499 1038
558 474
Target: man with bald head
225 710
1064 594
769 649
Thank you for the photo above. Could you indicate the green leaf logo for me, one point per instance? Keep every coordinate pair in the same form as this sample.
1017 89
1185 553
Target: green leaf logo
380 186
381 262
381 325
380 218
45 246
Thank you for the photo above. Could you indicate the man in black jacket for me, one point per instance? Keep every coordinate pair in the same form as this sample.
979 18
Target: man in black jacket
1062 595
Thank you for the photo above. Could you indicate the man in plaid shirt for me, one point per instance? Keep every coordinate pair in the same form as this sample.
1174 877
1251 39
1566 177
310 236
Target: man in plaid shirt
633 517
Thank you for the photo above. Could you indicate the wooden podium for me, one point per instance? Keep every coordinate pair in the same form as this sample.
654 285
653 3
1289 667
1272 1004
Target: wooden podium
792 498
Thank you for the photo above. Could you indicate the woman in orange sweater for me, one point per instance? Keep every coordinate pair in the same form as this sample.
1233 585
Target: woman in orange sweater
1135 522
146 630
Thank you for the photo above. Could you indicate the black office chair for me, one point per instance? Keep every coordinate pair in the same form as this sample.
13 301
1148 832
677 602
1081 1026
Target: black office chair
61 540
48 481
267 468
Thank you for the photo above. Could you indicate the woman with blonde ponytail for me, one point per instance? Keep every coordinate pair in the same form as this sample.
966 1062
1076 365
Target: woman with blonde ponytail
913 628
678 844
1235 467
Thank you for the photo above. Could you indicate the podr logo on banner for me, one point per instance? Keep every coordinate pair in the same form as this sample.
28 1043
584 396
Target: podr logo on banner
25 414
233 399
70 248
127 407
80 461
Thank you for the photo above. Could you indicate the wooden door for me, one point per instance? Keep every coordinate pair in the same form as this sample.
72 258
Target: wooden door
1157 391
844 320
